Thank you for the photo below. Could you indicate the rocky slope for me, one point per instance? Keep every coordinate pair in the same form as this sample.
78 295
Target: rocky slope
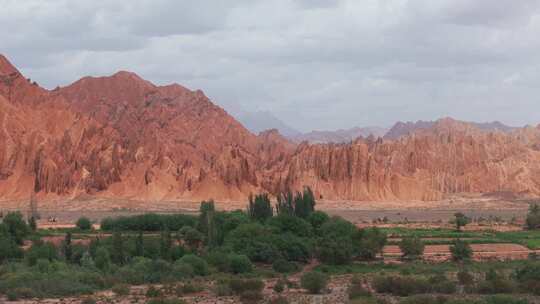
125 138
450 157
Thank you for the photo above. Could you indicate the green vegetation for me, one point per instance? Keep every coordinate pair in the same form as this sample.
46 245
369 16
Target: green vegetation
533 217
148 222
461 220
230 253
314 282
461 250
411 247
84 223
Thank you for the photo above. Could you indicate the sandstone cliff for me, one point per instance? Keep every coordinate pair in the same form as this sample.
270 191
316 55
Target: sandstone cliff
124 137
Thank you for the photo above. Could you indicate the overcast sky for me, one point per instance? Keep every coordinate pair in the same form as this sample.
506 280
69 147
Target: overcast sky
315 64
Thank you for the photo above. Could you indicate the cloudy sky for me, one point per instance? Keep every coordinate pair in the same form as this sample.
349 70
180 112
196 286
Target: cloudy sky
315 64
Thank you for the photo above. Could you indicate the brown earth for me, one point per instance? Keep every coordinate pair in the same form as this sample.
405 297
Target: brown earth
105 140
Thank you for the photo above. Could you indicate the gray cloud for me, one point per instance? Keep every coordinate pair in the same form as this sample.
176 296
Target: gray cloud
314 64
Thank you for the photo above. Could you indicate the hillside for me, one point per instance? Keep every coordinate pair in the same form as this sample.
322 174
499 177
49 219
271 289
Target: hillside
123 137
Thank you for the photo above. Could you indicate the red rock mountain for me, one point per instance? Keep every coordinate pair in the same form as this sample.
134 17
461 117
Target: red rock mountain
124 137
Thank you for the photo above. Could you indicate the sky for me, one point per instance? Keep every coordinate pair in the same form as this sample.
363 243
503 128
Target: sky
314 64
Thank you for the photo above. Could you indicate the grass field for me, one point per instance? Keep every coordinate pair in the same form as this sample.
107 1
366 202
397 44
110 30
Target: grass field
530 239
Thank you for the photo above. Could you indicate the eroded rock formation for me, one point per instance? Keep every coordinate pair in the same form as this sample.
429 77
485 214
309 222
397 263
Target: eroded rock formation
124 137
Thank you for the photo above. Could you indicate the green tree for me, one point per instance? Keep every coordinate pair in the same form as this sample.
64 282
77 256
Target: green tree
118 251
207 222
314 282
165 244
461 250
239 264
32 224
103 259
259 207
412 247
200 267
41 250
253 240
304 203
16 226
139 244
191 237
335 246
228 221
84 223
67 247
317 219
9 249
461 220
284 223
370 242
285 203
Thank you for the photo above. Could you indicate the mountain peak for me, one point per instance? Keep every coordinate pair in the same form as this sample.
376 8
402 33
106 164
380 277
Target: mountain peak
6 67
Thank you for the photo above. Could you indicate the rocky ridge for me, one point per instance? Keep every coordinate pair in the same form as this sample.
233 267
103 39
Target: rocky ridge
123 137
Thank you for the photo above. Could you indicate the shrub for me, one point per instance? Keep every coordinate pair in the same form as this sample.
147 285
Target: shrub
279 287
40 250
190 287
411 247
460 250
504 299
239 286
496 285
423 299
240 264
533 217
314 282
103 259
222 289
153 292
84 223
121 289
20 293
446 287
465 277
460 220
284 266
219 259
88 300
356 290
251 296
401 286
200 267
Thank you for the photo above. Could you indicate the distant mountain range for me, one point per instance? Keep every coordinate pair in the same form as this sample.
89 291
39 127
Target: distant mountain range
339 136
258 122
404 128
261 121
